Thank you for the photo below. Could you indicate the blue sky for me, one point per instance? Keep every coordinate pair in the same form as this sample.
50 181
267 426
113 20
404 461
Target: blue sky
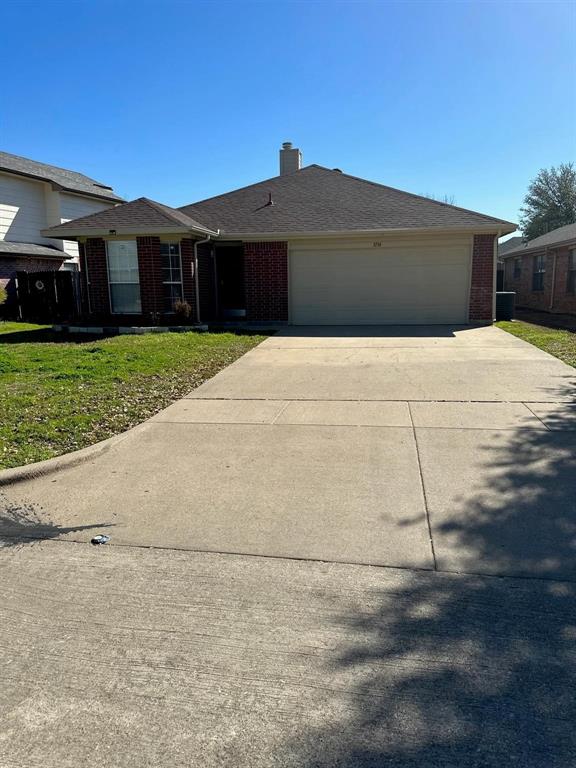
183 100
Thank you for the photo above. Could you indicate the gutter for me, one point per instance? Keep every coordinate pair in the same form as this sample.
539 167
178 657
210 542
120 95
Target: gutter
196 281
367 233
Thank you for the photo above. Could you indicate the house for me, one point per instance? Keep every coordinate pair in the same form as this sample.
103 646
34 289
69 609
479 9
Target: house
503 248
34 196
542 271
310 246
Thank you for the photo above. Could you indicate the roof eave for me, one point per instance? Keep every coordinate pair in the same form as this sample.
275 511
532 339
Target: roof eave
96 195
109 198
536 248
58 256
76 232
501 228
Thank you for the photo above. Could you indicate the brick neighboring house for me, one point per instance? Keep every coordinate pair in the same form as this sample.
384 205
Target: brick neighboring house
503 248
34 196
310 246
542 271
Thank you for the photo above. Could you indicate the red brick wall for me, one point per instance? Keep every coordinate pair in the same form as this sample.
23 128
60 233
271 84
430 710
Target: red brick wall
95 267
482 282
187 257
266 280
205 278
150 269
564 302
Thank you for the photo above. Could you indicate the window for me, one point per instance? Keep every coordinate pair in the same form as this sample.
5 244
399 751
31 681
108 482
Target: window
171 275
123 277
517 269
571 276
538 273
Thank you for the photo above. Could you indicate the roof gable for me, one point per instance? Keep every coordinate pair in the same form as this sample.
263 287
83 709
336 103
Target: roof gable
317 199
138 215
61 177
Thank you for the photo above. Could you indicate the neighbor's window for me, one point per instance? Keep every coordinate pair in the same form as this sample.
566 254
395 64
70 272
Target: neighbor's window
571 278
538 273
171 275
517 269
123 277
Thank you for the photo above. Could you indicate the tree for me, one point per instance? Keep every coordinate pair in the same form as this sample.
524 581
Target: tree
448 199
550 202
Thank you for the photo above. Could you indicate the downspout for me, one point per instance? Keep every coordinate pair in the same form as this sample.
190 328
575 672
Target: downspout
196 281
553 290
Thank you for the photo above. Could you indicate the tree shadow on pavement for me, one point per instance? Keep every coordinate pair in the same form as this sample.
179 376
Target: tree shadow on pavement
26 523
451 670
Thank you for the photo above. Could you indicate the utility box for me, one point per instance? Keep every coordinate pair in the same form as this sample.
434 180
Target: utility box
505 305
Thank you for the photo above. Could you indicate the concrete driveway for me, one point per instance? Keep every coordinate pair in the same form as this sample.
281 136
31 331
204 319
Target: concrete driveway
258 633
409 447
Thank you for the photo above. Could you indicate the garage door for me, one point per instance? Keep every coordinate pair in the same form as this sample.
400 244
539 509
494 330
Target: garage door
405 284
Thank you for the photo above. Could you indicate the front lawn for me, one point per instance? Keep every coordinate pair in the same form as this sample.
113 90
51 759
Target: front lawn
561 344
58 394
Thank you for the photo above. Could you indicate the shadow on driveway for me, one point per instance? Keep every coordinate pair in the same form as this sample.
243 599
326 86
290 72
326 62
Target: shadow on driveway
463 671
26 523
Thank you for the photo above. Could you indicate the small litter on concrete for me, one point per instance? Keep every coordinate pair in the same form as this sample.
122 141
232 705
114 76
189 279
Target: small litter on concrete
100 539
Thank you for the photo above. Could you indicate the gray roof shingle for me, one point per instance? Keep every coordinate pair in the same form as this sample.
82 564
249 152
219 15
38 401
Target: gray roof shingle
555 237
30 249
133 215
67 180
508 245
316 199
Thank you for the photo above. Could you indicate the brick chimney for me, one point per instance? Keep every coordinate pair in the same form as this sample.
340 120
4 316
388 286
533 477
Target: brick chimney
290 159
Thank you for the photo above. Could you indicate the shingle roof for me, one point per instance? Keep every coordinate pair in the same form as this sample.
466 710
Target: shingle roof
67 180
132 217
555 237
31 249
513 242
316 199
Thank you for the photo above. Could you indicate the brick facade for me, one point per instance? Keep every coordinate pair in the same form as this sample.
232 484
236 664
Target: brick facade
481 308
150 269
266 281
95 276
93 254
562 302
187 257
206 280
265 274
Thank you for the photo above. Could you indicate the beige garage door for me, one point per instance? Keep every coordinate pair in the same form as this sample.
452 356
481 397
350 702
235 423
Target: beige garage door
406 284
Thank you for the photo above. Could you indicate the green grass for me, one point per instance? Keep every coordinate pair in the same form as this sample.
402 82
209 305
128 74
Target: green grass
561 344
60 395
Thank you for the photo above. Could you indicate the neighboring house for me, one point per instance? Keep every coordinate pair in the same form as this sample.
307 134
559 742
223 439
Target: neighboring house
34 196
542 271
310 246
503 248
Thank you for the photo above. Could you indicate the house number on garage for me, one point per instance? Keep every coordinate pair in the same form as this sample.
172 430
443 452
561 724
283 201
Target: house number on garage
376 245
